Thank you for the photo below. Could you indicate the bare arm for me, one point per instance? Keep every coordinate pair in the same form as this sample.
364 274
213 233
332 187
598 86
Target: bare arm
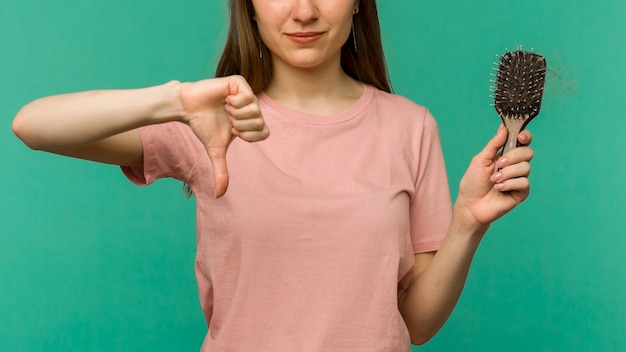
97 125
102 125
484 196
438 281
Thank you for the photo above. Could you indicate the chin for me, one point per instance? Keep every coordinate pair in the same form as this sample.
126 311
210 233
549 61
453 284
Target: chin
308 59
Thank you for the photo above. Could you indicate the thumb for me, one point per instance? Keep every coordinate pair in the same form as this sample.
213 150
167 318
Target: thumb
491 149
220 169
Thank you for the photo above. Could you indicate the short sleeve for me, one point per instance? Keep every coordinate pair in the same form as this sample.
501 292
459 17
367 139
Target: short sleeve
169 150
431 206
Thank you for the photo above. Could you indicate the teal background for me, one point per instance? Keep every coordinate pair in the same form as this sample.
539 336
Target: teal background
89 262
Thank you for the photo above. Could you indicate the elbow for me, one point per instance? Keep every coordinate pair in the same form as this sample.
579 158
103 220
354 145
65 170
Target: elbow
422 334
420 339
21 129
420 330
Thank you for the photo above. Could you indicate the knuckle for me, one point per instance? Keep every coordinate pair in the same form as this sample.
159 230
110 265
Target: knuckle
528 168
522 183
251 137
255 110
258 125
476 159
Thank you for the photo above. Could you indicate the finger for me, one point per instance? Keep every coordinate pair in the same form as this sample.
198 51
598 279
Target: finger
525 137
490 151
248 111
254 136
220 170
241 99
514 171
520 184
256 124
240 92
515 156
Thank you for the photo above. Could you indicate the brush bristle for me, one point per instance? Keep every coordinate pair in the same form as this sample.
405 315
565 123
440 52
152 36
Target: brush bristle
519 84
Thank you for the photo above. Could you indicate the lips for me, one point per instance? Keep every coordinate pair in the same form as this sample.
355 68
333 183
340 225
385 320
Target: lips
304 37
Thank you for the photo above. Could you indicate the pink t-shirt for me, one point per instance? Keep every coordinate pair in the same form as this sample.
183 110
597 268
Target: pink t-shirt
315 238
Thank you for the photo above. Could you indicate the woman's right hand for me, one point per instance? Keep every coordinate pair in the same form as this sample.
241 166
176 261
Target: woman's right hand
101 125
219 110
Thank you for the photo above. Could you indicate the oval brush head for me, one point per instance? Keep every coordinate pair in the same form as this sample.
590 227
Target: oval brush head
518 91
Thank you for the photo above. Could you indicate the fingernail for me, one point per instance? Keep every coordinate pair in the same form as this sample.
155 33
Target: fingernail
499 186
495 177
502 162
523 137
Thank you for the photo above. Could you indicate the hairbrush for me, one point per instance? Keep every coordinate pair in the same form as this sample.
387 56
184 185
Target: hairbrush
518 91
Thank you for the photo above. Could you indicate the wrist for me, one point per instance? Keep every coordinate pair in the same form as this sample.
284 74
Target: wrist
465 224
168 106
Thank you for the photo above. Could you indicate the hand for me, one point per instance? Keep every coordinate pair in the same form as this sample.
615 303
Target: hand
494 185
218 110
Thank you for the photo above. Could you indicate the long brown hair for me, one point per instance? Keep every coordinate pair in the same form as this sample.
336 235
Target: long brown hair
245 54
362 56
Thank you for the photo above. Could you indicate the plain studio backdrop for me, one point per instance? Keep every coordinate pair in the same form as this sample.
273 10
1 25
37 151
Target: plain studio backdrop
89 262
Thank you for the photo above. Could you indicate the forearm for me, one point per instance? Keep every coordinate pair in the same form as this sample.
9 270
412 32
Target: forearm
432 295
77 119
483 198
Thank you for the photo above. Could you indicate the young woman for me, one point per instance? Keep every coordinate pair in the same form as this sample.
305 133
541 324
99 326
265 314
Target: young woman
337 232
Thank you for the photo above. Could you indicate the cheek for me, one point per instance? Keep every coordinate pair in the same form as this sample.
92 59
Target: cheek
343 27
270 11
340 16
269 16
267 34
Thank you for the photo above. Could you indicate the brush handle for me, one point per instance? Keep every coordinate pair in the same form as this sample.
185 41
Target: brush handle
514 126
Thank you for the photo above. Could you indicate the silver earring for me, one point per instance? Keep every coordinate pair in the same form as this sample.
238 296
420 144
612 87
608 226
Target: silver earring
354 39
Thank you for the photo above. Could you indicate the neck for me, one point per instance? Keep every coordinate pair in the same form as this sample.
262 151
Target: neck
322 90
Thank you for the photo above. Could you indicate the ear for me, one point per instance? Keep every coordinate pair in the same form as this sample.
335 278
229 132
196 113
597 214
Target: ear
356 7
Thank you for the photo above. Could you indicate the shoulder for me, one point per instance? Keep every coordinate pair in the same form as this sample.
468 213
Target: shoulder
398 107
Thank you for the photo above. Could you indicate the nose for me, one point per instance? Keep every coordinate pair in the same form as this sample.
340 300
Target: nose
305 11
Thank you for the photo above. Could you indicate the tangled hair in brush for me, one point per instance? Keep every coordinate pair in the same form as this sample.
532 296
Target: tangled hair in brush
518 91
519 84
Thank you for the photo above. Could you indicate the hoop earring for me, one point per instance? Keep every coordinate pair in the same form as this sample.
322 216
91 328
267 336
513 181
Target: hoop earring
354 39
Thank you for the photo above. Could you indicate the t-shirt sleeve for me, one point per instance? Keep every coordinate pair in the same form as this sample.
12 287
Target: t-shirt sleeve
169 150
431 206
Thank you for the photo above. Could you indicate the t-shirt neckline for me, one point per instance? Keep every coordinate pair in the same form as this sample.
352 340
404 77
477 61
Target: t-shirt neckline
314 119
